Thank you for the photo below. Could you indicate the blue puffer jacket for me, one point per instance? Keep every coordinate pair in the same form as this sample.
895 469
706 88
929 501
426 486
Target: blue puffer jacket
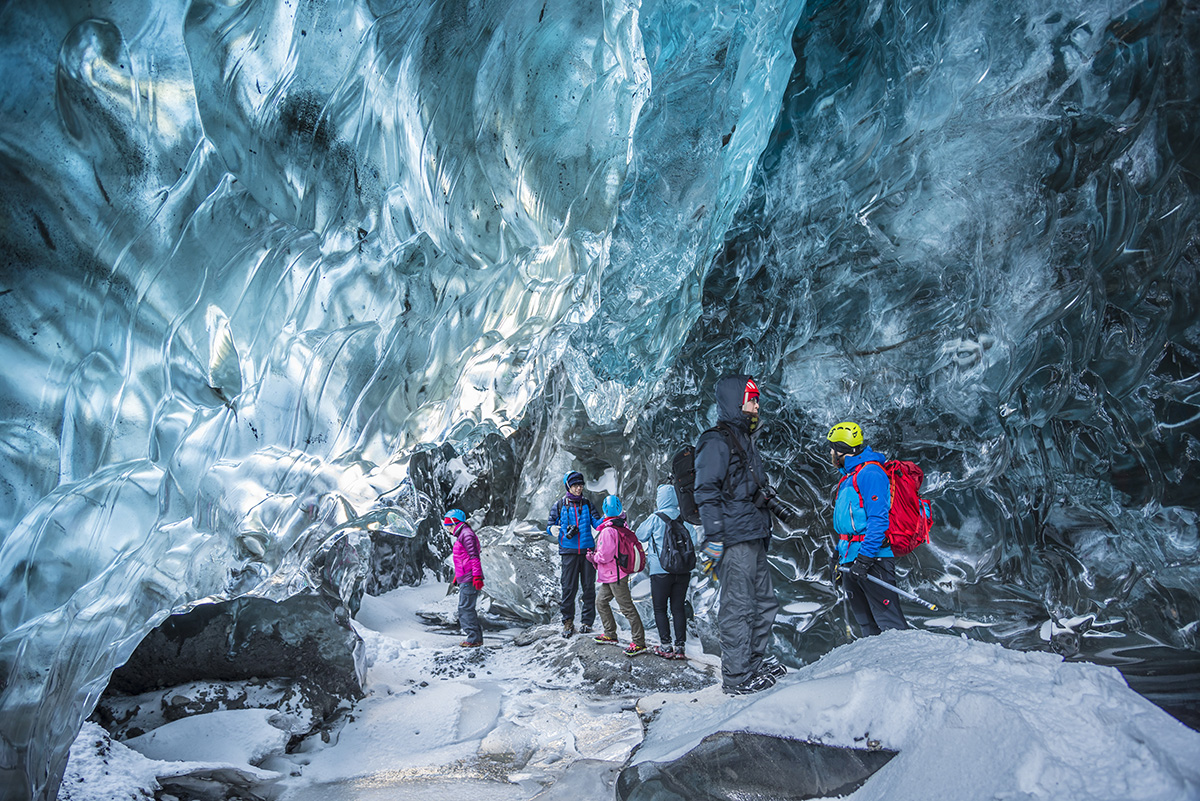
653 528
574 511
862 523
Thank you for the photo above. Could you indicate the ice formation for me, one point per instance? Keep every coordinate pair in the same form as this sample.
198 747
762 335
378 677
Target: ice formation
257 254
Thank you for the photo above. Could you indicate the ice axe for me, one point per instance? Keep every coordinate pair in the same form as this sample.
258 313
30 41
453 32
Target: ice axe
904 593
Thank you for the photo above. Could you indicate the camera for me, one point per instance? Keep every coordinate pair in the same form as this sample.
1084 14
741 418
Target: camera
572 532
764 497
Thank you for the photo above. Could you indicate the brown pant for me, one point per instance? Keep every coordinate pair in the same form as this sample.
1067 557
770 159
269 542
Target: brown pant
620 591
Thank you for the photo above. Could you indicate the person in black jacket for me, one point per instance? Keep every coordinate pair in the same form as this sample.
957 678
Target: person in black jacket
730 487
572 522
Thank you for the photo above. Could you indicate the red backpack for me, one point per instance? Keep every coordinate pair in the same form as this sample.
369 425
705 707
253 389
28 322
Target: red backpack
631 556
909 519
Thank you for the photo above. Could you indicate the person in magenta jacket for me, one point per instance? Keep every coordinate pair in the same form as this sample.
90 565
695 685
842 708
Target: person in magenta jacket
468 574
614 582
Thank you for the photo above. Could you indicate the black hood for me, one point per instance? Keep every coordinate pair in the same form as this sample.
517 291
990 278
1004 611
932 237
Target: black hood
730 390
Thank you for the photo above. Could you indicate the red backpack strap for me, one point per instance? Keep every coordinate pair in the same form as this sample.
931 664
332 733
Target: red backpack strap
853 476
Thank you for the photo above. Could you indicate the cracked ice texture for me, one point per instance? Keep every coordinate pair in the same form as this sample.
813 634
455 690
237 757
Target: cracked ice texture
974 231
256 252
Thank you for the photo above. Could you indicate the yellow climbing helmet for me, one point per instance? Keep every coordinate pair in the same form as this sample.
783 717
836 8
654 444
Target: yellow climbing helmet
847 434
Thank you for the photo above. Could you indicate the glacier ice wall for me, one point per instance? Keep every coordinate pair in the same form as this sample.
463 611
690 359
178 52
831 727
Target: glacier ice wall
256 254
975 232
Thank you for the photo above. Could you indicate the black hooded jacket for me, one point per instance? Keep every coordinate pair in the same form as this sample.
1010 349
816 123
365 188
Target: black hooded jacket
728 476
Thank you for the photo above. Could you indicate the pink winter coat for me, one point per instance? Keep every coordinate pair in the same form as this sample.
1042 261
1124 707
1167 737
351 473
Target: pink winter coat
605 555
466 553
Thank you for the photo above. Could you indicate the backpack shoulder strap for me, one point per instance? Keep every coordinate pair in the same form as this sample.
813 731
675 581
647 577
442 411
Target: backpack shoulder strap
666 527
730 437
853 476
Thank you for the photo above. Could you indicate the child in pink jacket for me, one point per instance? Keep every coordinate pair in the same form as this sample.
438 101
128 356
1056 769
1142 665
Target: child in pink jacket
614 582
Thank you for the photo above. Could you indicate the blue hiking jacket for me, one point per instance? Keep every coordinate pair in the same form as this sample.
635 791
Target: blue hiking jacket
574 511
653 528
861 523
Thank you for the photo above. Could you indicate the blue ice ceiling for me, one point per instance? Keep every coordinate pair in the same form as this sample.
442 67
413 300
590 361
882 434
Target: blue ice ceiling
255 255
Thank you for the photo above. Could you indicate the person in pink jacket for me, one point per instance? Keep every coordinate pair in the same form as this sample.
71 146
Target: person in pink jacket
468 574
614 582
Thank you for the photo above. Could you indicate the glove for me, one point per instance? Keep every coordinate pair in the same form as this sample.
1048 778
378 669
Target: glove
860 566
478 582
713 550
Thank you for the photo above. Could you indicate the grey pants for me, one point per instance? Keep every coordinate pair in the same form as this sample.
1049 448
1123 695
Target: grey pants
620 591
747 612
468 618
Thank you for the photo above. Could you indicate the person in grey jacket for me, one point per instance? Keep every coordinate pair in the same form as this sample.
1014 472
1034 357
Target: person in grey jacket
737 530
668 591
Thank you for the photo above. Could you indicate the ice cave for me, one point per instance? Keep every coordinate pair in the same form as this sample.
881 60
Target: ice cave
282 280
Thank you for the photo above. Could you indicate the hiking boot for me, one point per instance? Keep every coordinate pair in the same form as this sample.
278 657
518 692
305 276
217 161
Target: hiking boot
605 639
634 649
585 629
679 652
754 684
469 644
774 667
569 629
665 652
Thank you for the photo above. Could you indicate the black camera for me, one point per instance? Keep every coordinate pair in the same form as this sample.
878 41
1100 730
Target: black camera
572 532
764 497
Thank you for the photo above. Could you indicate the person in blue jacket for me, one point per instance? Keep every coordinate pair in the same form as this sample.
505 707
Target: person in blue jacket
668 591
573 522
860 518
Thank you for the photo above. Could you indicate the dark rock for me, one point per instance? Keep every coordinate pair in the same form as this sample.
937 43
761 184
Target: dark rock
397 561
737 765
249 638
127 716
605 670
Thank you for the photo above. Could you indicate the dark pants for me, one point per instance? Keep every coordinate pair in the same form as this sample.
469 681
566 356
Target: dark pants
578 574
747 612
468 620
670 589
875 608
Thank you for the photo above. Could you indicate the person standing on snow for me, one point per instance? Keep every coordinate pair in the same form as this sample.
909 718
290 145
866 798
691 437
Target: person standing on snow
860 518
730 484
468 574
572 521
614 581
668 591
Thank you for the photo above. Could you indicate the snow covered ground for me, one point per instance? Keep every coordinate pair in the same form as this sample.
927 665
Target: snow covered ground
970 720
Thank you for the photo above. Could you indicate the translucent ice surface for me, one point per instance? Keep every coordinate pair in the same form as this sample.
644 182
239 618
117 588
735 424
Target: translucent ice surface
255 253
